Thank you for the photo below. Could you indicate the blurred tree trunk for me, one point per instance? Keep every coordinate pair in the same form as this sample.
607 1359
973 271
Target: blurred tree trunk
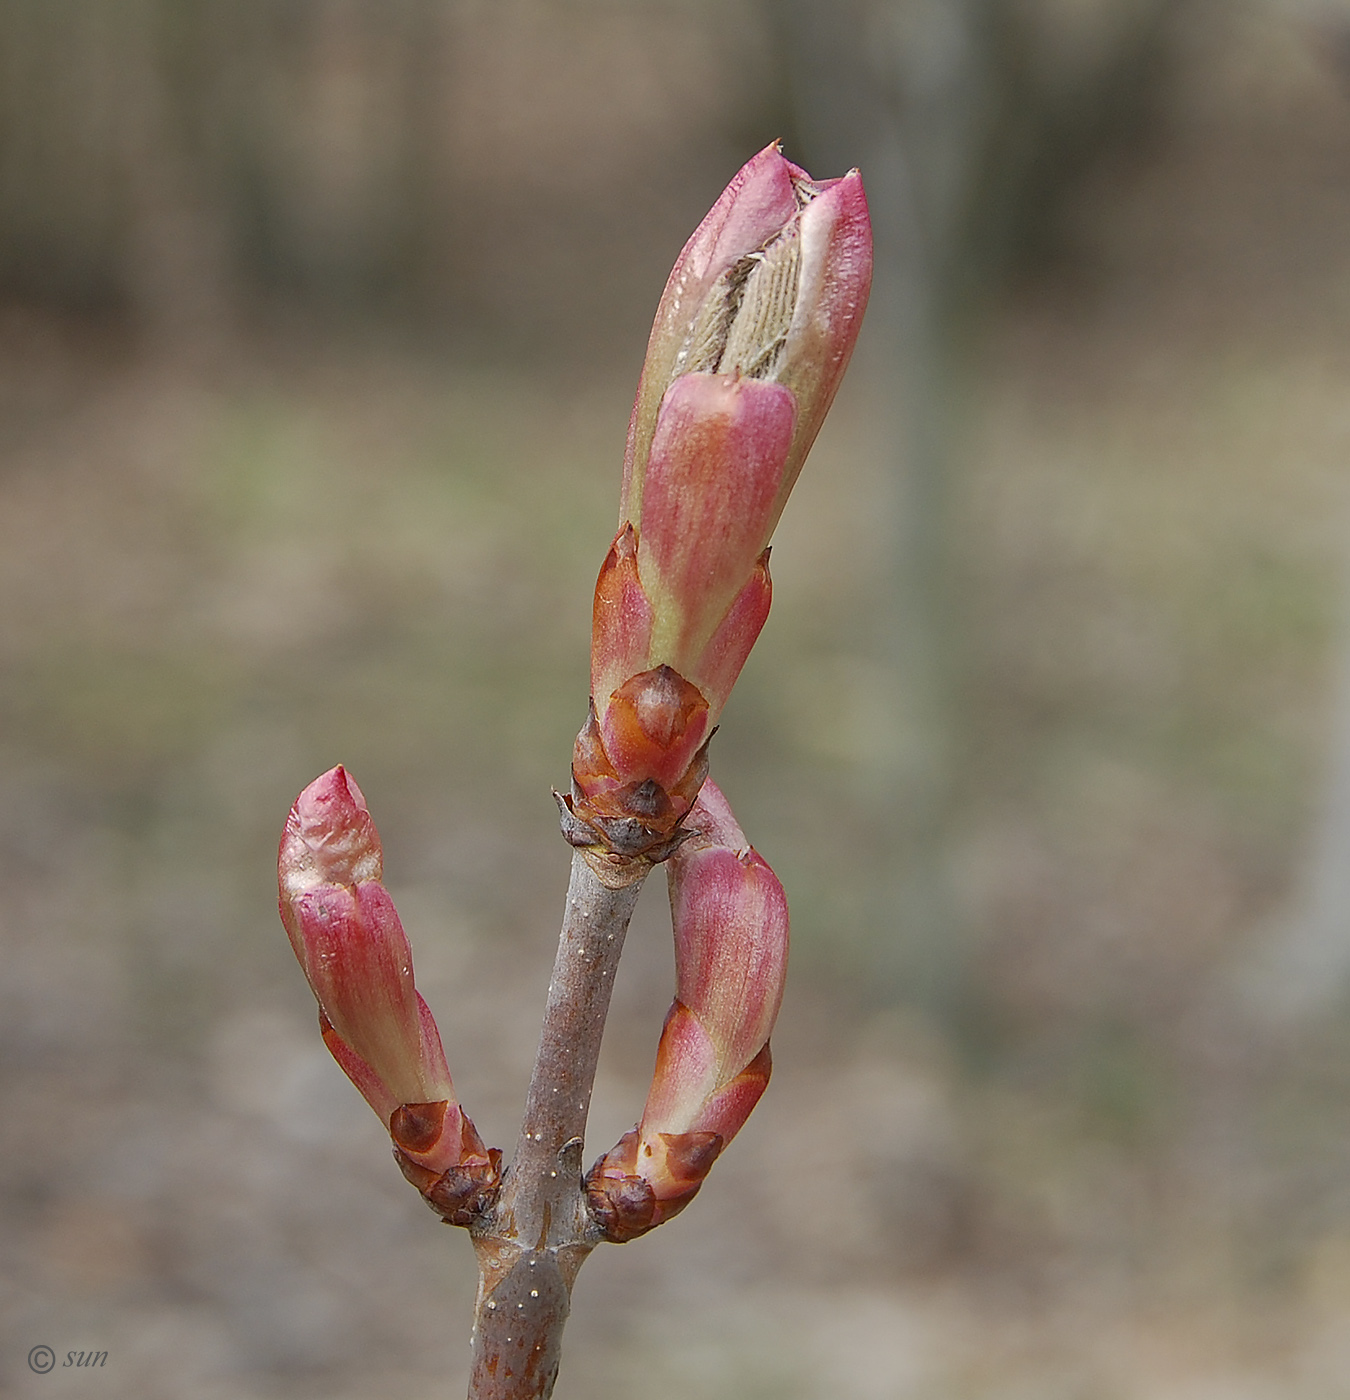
1303 966
969 119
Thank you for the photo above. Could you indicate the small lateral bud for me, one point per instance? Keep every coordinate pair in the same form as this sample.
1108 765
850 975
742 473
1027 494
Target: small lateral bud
713 1062
350 943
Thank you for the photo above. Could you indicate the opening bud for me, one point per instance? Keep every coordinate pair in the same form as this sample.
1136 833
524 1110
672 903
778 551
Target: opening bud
750 341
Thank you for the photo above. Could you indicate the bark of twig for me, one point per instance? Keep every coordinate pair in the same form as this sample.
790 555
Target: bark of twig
532 1243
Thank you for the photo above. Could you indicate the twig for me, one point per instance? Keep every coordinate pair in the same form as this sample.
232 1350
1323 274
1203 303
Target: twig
532 1244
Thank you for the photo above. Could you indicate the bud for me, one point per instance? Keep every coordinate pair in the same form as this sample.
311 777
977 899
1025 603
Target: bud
771 287
346 933
713 1062
751 339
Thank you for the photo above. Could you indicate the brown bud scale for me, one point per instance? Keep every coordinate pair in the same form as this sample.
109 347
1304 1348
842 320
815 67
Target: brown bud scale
417 1127
624 1207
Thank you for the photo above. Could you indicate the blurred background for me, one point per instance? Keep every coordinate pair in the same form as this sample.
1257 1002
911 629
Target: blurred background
319 326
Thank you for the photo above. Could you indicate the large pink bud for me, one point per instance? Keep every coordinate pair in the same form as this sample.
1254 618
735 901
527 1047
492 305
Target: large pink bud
751 340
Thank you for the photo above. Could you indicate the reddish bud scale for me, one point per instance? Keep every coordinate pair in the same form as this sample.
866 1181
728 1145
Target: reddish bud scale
350 943
713 1062
621 617
712 479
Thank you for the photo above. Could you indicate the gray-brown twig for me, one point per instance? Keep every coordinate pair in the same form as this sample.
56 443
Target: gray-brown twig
532 1243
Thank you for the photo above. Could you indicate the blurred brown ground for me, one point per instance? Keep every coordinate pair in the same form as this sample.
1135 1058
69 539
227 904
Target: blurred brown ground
242 539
